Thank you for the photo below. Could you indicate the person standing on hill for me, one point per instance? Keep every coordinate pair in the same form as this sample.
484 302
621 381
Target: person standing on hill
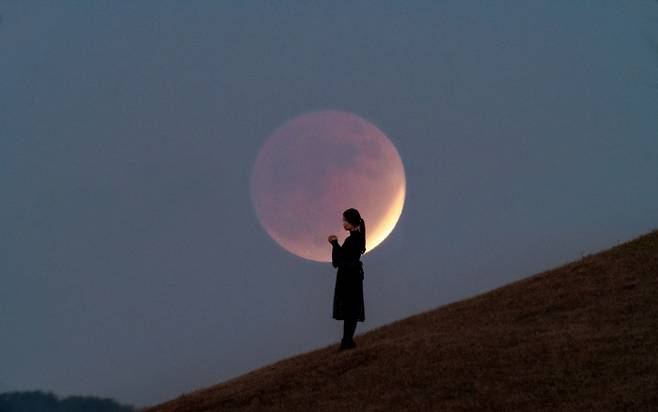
348 293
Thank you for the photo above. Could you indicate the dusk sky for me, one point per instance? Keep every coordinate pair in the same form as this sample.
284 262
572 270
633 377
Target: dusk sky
132 262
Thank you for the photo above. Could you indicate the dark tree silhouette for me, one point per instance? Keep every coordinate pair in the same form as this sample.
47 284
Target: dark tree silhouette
39 401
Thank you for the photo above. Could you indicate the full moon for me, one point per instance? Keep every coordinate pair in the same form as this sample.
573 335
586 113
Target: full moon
315 166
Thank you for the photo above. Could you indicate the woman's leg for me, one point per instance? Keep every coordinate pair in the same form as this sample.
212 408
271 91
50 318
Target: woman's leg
349 326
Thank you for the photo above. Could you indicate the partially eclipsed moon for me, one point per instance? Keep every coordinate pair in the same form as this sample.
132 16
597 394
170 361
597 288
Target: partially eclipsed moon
313 168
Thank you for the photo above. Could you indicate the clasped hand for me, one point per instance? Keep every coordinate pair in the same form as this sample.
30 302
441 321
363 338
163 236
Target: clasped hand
332 238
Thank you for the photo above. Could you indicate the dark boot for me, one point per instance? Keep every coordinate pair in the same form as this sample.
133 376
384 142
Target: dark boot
346 345
348 334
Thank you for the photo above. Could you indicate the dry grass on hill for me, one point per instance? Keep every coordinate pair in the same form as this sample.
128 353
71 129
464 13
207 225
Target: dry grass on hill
582 336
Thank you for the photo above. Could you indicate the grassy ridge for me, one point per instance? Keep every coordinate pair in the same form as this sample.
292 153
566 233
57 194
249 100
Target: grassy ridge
582 336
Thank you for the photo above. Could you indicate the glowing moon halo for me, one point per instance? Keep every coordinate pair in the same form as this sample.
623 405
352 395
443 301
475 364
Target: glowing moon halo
315 166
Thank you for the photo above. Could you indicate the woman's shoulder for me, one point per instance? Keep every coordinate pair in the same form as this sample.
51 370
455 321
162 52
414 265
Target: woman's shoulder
354 235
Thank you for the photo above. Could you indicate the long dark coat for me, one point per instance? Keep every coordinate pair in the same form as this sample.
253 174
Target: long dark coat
348 293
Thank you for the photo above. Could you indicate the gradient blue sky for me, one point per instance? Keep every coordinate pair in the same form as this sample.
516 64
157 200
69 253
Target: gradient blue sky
132 263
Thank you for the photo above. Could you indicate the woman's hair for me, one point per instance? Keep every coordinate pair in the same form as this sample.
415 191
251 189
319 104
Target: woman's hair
354 218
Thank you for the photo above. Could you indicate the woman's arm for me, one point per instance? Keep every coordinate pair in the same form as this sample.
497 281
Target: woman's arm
342 255
335 253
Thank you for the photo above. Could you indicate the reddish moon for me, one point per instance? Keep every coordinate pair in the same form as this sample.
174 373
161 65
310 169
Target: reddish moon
317 165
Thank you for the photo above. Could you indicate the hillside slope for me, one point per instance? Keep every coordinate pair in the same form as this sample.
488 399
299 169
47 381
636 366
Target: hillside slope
582 336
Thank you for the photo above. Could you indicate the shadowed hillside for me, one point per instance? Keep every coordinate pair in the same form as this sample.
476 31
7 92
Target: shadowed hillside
582 336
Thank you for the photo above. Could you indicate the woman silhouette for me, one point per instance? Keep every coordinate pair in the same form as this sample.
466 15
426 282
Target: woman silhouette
348 293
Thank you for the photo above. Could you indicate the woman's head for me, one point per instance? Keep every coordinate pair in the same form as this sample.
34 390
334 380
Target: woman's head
353 221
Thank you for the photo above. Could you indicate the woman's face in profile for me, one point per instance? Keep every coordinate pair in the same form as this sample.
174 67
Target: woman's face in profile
347 225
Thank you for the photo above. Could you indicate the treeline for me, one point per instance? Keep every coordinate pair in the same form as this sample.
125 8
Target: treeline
39 401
